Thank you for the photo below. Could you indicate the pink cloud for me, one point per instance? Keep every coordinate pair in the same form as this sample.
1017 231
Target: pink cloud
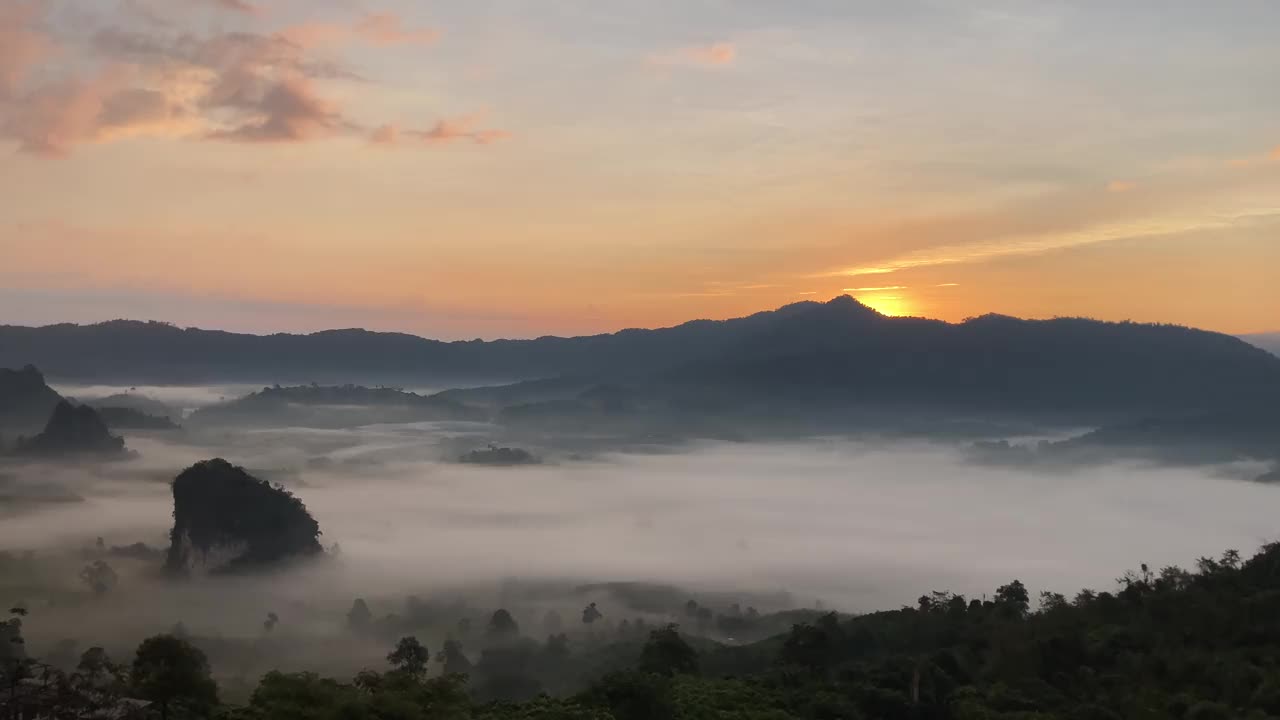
460 129
385 135
51 120
232 86
1275 154
21 44
289 111
238 6
1120 186
717 54
376 29
720 54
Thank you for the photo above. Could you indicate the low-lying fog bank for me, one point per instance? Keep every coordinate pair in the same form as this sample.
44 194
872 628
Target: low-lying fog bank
849 525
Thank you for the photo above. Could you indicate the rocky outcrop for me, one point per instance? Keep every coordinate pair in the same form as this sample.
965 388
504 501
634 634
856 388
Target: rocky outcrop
226 520
73 431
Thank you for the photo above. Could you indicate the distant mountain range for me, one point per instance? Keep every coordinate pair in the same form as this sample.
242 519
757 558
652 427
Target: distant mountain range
1267 341
801 356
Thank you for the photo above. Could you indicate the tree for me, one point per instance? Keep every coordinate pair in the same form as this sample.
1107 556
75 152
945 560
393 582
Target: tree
359 617
226 520
410 657
99 576
1014 598
455 662
590 614
172 672
666 653
502 626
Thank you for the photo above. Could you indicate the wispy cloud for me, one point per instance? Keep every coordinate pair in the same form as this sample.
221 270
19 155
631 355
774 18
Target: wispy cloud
240 6
375 29
979 251
1120 186
449 130
289 111
875 289
715 55
161 80
22 45
1252 161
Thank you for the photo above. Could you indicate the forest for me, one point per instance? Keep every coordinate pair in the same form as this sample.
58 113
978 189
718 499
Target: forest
1199 644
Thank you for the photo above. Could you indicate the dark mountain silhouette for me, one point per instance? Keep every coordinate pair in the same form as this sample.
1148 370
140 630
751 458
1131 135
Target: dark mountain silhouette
331 406
135 401
499 456
838 354
73 431
127 418
1267 341
1250 432
25 400
226 520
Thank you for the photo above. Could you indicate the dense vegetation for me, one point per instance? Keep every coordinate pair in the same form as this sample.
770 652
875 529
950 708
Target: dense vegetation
1195 645
839 350
226 520
72 431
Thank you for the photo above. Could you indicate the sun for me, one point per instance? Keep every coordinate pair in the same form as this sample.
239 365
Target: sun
890 305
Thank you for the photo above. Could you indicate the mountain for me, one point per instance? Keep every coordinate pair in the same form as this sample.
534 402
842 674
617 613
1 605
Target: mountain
331 407
226 520
25 400
839 354
1267 341
127 418
73 431
1248 432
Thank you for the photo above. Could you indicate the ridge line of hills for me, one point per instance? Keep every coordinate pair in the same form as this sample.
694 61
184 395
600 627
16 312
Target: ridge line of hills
129 352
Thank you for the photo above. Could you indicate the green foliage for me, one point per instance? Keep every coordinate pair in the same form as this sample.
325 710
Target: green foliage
221 510
410 656
666 653
1167 644
174 674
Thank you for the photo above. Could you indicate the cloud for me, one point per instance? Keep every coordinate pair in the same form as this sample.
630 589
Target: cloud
289 111
717 54
1034 244
21 44
233 86
385 135
1255 160
460 129
1120 186
720 54
875 289
375 29
239 6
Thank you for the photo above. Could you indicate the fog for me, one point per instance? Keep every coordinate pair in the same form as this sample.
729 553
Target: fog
835 522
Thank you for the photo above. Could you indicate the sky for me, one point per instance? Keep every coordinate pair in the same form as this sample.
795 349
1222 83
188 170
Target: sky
515 168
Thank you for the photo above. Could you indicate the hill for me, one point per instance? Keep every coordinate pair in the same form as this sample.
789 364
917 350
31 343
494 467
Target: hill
25 400
73 431
331 407
839 354
1267 341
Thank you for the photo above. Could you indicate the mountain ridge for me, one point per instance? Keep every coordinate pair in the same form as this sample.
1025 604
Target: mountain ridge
835 353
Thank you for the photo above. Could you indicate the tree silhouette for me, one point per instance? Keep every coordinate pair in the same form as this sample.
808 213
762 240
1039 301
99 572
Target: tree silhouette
502 627
410 657
172 672
99 576
666 653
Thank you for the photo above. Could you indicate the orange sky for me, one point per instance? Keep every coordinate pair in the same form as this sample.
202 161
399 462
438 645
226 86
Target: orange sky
502 170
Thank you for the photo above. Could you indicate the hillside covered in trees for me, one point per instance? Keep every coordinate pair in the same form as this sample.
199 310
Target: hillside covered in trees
840 352
1198 644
